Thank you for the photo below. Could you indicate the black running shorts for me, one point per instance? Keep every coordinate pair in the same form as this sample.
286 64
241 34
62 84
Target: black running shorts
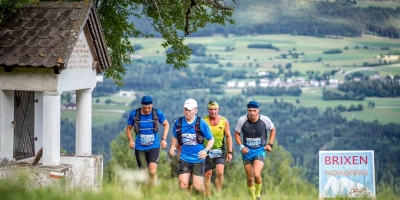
145 157
212 162
196 169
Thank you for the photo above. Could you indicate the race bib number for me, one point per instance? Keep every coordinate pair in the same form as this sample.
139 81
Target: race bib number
215 153
253 142
146 140
189 139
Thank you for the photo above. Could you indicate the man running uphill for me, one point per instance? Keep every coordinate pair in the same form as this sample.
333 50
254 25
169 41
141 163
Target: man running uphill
147 144
217 156
254 128
190 131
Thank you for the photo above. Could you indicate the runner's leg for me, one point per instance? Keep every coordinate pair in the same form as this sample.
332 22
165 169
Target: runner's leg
257 167
219 180
248 167
198 179
207 176
207 182
152 157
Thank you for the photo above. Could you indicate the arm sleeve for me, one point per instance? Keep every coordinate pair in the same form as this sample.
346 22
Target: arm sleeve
206 130
268 123
239 124
161 117
174 130
131 116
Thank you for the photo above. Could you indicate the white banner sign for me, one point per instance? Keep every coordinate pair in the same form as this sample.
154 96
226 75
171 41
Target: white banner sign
346 174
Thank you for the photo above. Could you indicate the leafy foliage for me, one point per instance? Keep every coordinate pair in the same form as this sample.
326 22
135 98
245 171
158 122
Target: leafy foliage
296 126
173 19
377 88
173 23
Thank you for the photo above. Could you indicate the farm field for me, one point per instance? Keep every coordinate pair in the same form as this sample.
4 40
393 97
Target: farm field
358 51
252 60
103 113
386 110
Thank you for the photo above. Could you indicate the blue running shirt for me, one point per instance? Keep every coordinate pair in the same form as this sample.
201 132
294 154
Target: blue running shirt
190 148
147 139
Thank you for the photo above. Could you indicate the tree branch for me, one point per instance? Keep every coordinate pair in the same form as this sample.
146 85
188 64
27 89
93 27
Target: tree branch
215 5
158 10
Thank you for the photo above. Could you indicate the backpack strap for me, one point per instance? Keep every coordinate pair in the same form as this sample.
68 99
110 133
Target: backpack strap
155 120
179 131
199 134
136 121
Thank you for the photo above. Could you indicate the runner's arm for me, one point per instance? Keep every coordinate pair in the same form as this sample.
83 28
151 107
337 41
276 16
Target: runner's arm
272 135
163 142
228 141
210 144
237 138
166 129
228 136
129 135
243 148
172 147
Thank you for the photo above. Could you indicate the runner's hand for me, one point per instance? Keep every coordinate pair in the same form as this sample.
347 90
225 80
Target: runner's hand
268 148
172 151
202 154
229 157
245 150
163 144
132 145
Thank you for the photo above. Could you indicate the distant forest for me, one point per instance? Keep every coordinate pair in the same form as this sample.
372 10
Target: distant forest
303 131
309 18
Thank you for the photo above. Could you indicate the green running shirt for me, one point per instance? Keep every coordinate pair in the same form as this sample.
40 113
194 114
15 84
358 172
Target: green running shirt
217 131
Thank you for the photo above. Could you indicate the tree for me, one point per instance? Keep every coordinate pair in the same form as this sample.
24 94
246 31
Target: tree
166 18
173 19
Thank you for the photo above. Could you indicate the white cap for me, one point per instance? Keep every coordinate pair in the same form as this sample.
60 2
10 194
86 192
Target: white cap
190 104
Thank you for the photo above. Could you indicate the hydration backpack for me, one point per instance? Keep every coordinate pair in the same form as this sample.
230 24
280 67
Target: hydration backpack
136 120
199 134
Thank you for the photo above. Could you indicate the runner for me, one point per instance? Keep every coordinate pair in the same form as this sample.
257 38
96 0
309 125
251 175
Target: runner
217 156
190 131
147 144
254 128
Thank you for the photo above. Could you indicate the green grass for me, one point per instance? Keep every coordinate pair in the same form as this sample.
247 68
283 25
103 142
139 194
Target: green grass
386 110
167 190
99 117
312 47
115 98
104 113
109 107
369 115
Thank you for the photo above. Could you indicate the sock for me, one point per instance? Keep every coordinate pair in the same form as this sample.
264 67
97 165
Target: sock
252 190
258 189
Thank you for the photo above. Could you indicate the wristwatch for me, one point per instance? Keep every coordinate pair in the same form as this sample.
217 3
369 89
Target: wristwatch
205 149
271 145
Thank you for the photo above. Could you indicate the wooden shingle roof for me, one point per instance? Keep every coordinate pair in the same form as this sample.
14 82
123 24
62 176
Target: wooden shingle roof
44 34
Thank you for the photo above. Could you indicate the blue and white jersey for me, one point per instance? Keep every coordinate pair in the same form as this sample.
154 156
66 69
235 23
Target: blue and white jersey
147 139
254 133
190 148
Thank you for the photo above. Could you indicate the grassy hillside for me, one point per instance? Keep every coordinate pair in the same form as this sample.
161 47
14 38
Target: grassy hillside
256 60
253 60
305 17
